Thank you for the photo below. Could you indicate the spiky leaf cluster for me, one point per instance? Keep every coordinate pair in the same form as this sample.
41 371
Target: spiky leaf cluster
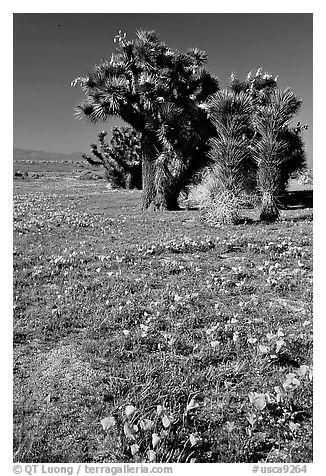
277 147
231 115
274 109
258 85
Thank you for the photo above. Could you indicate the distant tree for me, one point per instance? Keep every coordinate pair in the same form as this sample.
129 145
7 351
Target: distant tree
161 93
121 158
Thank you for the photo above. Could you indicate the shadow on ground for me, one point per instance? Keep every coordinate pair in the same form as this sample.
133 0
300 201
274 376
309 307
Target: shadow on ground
297 199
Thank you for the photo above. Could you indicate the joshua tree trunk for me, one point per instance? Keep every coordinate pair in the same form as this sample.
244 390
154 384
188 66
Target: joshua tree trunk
148 176
165 189
165 199
128 182
269 209
159 192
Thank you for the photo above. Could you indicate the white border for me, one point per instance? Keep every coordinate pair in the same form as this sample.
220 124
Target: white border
235 6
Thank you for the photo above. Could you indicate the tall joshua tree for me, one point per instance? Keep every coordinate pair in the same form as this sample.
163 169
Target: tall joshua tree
277 148
161 93
120 158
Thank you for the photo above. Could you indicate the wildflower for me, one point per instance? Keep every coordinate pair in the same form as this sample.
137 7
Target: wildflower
108 422
258 400
263 349
144 328
291 382
270 336
280 332
279 343
134 449
211 329
129 431
146 424
151 455
166 421
235 336
129 410
155 440
294 426
192 405
252 340
193 439
230 425
268 397
47 399
303 369
279 394
251 419
227 384
306 323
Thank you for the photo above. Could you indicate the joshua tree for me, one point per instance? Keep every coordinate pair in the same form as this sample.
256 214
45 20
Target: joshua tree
262 88
121 159
254 147
231 115
258 86
277 148
161 93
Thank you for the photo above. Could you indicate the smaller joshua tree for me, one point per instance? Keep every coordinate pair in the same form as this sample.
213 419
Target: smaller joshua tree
121 159
254 147
231 115
277 148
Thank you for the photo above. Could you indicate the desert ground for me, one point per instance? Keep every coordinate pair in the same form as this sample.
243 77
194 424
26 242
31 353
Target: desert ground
152 337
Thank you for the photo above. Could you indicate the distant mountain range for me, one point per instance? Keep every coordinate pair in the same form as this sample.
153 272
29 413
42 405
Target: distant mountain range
24 154
39 155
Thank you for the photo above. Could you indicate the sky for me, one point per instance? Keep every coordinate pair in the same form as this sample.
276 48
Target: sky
47 57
